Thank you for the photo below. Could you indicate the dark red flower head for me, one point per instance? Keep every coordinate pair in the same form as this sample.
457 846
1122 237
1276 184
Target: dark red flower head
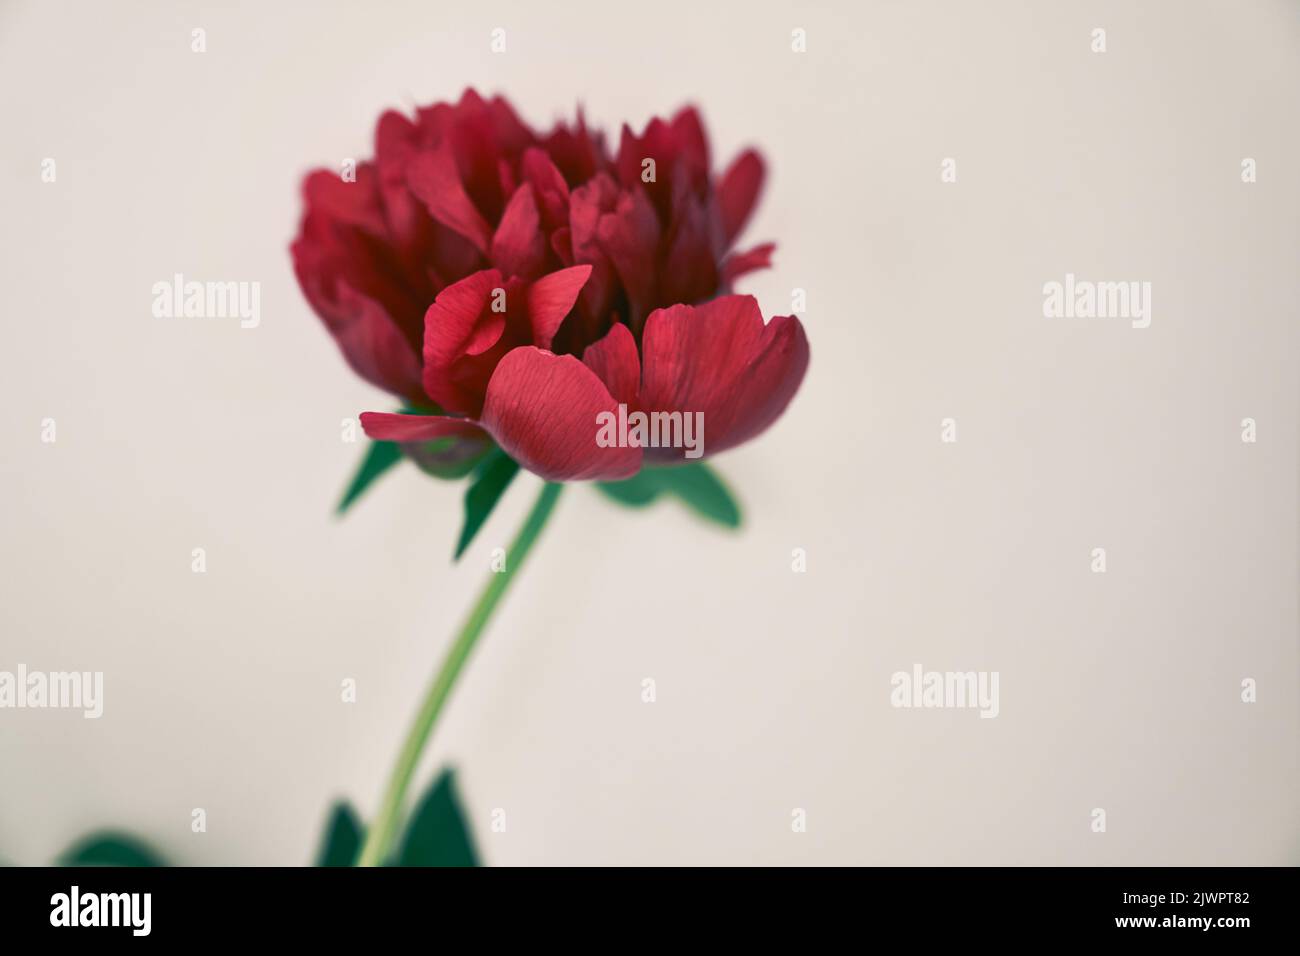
519 284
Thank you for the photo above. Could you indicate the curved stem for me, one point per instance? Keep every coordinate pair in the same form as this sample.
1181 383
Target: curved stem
379 839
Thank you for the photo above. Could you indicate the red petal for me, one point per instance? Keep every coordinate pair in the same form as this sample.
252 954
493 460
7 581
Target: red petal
549 300
614 359
434 179
384 426
375 347
562 245
548 183
355 203
741 263
478 135
720 359
692 143
586 205
449 332
542 409
410 229
690 272
629 236
518 248
510 132
328 253
366 332
577 152
634 150
506 178
738 192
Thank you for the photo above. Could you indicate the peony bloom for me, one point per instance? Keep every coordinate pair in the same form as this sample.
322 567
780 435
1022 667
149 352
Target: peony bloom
514 285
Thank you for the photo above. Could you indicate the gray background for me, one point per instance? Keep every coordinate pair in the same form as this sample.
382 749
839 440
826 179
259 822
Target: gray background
1118 690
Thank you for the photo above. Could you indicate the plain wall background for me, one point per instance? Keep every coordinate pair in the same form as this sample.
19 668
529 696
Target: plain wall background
924 301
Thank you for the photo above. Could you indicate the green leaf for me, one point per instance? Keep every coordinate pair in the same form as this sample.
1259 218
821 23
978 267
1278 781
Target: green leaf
380 456
636 492
449 458
437 835
490 483
696 485
343 835
109 849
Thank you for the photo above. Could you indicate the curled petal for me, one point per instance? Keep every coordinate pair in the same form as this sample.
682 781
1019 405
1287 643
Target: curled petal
719 359
550 298
544 411
459 323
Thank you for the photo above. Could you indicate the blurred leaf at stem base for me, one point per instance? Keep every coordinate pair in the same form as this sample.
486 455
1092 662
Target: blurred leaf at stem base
110 849
696 485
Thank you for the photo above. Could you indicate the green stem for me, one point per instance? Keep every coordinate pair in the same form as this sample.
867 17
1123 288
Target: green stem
380 837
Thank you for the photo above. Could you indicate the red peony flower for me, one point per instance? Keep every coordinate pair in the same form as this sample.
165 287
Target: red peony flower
530 290
518 285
